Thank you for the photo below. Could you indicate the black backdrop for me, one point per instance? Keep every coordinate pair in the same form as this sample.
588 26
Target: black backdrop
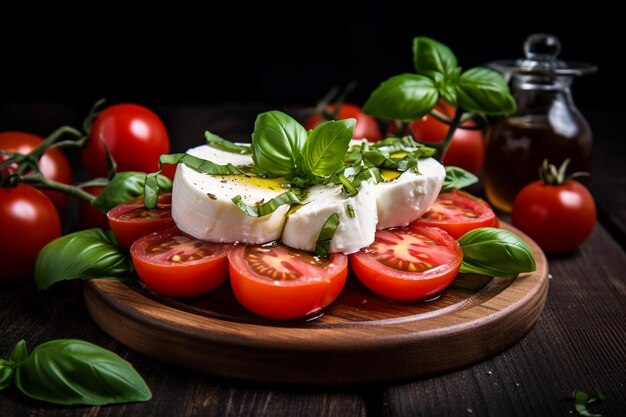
195 52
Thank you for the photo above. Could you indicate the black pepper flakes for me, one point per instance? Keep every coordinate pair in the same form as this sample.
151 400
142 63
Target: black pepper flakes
211 196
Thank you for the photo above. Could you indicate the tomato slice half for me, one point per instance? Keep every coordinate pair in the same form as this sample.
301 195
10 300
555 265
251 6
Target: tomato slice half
457 213
408 263
131 220
278 282
174 264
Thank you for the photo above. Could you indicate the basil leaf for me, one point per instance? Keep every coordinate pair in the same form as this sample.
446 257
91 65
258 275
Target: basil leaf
277 142
322 246
268 207
326 147
405 97
125 186
582 400
67 371
225 145
7 368
431 56
457 178
482 90
92 253
201 165
495 252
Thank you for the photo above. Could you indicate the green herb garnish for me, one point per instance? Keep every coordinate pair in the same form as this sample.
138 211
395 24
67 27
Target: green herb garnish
322 246
226 145
268 207
582 400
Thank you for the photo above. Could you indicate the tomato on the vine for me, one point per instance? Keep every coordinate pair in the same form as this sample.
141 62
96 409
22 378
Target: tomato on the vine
366 125
28 221
558 217
174 264
457 213
134 135
408 263
282 283
131 220
88 215
53 163
467 148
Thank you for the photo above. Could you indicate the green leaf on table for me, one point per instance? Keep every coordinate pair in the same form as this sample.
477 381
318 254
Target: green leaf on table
495 252
92 253
69 371
326 146
277 143
582 400
125 186
482 90
457 178
220 143
431 56
404 97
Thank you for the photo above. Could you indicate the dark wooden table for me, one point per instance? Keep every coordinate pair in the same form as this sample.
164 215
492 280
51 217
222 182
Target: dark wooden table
579 341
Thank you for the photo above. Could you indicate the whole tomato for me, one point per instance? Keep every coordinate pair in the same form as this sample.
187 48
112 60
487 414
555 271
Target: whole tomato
53 163
134 135
558 216
467 148
366 125
28 221
89 216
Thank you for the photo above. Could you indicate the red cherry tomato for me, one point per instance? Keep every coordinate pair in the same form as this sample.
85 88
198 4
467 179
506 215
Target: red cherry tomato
281 283
467 148
558 217
174 264
89 216
366 125
53 163
28 221
457 213
134 135
407 264
131 220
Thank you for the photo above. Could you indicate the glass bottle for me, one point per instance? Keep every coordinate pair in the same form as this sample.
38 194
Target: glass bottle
547 123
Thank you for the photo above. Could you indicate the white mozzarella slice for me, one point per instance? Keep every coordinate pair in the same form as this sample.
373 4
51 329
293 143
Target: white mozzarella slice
202 204
353 233
404 199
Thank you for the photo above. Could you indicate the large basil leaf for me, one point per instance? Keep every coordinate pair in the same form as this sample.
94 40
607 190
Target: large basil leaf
326 147
482 90
457 178
405 97
495 252
277 142
125 186
431 56
68 371
92 253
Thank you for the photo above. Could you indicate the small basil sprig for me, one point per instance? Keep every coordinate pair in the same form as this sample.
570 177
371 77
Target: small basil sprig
457 178
495 252
282 147
407 97
92 253
125 186
70 371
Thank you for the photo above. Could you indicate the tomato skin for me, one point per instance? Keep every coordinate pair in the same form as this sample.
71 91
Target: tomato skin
89 216
366 125
467 148
558 217
28 221
285 299
400 285
134 135
53 163
442 214
129 221
190 278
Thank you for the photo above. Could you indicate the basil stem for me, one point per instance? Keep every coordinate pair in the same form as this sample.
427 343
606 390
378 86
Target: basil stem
322 246
70 371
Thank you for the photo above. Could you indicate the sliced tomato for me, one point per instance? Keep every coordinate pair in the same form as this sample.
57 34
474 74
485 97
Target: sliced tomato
408 264
175 264
457 213
131 220
282 283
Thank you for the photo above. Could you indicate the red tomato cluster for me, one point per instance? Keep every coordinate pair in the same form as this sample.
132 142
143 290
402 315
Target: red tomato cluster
366 126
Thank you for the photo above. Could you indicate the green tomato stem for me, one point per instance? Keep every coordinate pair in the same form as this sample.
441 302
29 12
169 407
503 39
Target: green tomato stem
52 139
40 181
454 124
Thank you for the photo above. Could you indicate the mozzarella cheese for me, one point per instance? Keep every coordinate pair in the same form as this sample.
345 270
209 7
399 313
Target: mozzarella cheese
202 205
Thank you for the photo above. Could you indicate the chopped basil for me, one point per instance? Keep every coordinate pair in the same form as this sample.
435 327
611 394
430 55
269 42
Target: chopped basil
268 207
226 145
326 235
351 212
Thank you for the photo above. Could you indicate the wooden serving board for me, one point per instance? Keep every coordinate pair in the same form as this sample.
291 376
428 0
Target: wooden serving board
359 339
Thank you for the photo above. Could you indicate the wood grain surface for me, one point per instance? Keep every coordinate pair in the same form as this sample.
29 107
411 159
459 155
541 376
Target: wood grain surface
359 339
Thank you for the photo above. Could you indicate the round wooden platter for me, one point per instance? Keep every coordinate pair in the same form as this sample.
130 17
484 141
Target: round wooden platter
359 339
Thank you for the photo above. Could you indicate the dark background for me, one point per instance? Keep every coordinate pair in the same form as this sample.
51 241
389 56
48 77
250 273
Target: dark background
193 53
